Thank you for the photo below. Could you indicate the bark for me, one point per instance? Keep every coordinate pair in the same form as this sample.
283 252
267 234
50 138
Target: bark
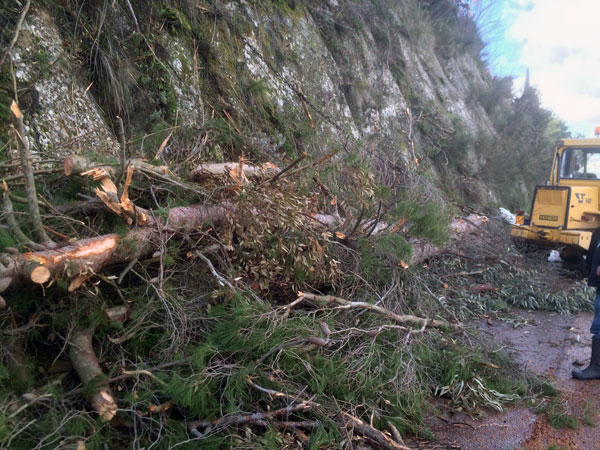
88 256
88 368
26 164
233 168
237 420
398 318
118 314
76 165
460 227
13 225
374 434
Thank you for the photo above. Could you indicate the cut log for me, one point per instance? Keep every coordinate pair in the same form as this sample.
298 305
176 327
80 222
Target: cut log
206 170
86 365
40 275
118 314
89 256
76 165
422 249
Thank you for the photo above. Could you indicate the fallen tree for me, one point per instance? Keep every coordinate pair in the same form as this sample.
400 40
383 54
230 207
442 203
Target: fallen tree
81 259
422 249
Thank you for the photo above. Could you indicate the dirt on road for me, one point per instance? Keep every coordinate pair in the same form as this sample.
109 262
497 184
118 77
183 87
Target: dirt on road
549 344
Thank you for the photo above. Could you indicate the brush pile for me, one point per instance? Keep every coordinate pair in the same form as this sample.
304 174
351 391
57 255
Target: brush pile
254 308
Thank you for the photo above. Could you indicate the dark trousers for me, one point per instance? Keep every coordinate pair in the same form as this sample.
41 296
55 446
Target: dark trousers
595 329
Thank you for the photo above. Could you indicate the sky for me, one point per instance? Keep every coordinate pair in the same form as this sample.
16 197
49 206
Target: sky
559 42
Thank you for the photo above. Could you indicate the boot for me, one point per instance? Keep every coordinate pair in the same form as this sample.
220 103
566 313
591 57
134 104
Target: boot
592 372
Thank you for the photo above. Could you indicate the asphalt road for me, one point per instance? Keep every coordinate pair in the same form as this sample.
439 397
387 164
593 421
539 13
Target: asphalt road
548 345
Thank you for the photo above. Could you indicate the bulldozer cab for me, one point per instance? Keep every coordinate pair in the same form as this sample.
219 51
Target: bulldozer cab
579 164
566 211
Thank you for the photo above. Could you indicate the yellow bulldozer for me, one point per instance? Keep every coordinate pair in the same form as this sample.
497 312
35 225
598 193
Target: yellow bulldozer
565 213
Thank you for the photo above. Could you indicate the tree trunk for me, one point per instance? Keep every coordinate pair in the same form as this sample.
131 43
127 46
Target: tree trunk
89 256
249 170
422 249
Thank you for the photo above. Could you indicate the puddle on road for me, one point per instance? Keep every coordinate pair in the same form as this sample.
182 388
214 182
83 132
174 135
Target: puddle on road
547 345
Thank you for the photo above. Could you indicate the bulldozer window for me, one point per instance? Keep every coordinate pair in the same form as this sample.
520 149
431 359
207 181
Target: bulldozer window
577 163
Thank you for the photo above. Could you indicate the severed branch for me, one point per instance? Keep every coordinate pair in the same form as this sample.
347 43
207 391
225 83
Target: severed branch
371 432
77 165
236 420
305 105
120 204
288 168
263 418
13 225
26 164
347 419
86 365
129 374
222 281
395 433
347 304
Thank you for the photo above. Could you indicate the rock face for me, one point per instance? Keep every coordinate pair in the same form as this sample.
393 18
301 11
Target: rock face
60 113
376 78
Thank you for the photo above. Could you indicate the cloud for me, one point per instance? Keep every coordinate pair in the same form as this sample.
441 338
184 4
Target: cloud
560 42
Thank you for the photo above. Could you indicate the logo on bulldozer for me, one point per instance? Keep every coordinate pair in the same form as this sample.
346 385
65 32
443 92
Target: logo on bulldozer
549 218
581 198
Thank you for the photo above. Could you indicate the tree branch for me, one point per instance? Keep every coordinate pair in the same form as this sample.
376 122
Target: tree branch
38 227
16 34
403 319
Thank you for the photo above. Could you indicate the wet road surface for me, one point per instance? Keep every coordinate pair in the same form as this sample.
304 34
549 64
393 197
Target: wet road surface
548 345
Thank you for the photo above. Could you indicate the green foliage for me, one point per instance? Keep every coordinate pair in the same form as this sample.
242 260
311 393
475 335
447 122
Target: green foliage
468 379
174 19
524 149
226 135
557 414
455 29
429 220
517 289
155 79
560 421
494 95
195 394
380 256
590 414
6 240
5 114
409 412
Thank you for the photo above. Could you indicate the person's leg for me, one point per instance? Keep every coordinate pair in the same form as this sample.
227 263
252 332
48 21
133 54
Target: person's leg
592 372
595 328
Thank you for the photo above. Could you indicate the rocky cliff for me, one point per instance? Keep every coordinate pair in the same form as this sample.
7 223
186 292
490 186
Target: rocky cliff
397 83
